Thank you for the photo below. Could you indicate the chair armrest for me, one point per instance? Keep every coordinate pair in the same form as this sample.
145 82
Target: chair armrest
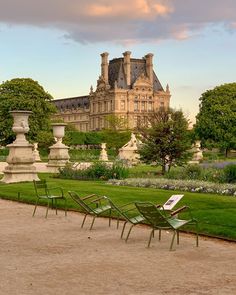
127 204
88 197
55 188
98 199
178 210
131 209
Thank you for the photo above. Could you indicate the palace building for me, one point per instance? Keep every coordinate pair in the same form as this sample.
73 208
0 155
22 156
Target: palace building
127 88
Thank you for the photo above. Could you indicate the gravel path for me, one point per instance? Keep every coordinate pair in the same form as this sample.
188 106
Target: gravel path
55 256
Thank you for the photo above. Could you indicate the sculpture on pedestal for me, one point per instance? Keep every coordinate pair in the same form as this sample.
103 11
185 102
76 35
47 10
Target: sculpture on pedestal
36 153
128 152
20 159
197 153
103 155
59 155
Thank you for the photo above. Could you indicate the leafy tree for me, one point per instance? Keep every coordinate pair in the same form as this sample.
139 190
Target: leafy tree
115 139
45 139
24 94
216 120
166 141
116 123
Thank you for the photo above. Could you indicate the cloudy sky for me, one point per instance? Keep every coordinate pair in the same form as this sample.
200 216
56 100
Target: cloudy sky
58 42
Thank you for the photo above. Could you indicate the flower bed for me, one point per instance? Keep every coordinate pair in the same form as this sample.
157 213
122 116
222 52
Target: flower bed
174 184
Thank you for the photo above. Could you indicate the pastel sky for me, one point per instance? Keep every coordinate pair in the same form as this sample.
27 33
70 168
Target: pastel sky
58 43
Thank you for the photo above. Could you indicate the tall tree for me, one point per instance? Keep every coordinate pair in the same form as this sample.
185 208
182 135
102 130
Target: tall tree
24 94
116 123
216 120
166 141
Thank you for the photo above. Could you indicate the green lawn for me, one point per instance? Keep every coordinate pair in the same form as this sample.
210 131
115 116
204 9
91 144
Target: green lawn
216 214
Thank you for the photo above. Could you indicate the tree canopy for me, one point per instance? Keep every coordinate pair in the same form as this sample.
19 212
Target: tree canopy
216 120
24 94
166 141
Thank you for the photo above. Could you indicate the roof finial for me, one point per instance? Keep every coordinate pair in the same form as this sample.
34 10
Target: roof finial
167 88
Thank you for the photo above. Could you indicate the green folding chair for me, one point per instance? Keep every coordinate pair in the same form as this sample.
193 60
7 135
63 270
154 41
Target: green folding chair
51 195
92 205
130 214
158 219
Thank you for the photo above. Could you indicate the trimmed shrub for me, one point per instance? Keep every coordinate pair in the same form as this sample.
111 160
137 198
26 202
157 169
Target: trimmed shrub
98 170
193 171
230 173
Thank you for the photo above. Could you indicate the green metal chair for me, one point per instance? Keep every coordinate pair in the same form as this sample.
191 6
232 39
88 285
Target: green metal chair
130 214
51 195
159 220
92 205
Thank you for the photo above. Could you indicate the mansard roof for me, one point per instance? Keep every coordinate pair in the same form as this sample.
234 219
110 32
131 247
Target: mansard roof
77 102
137 67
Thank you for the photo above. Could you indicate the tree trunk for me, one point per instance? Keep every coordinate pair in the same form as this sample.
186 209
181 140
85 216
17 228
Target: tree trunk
226 152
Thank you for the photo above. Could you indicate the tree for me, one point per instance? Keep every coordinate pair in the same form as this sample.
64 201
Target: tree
216 120
24 94
166 141
116 123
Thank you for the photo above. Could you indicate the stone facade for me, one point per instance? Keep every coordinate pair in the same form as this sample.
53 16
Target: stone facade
127 88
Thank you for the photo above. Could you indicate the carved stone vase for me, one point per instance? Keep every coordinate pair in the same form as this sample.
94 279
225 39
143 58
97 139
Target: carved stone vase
59 155
20 159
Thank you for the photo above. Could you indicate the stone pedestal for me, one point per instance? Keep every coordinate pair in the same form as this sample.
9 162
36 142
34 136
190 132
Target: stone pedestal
20 159
103 154
59 155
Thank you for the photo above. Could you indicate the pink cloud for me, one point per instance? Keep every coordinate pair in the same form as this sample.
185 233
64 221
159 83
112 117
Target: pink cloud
119 21
134 9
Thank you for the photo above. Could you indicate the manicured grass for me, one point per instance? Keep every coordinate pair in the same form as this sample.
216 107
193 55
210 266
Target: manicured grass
216 214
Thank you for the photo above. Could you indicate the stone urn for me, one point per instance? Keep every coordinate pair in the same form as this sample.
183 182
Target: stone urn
20 159
59 155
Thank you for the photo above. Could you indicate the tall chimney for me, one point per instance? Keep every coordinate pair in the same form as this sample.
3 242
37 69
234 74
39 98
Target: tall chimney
126 55
149 66
104 66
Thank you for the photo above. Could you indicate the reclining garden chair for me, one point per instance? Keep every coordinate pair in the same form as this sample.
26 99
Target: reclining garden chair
92 204
130 214
43 192
158 220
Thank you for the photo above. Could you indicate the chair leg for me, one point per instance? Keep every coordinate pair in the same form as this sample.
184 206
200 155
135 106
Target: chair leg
129 233
65 207
172 241
118 222
83 220
197 241
36 204
56 205
150 237
159 234
92 222
177 237
123 229
110 217
47 209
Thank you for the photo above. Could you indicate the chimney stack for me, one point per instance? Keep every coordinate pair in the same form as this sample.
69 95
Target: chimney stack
149 66
104 66
126 55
